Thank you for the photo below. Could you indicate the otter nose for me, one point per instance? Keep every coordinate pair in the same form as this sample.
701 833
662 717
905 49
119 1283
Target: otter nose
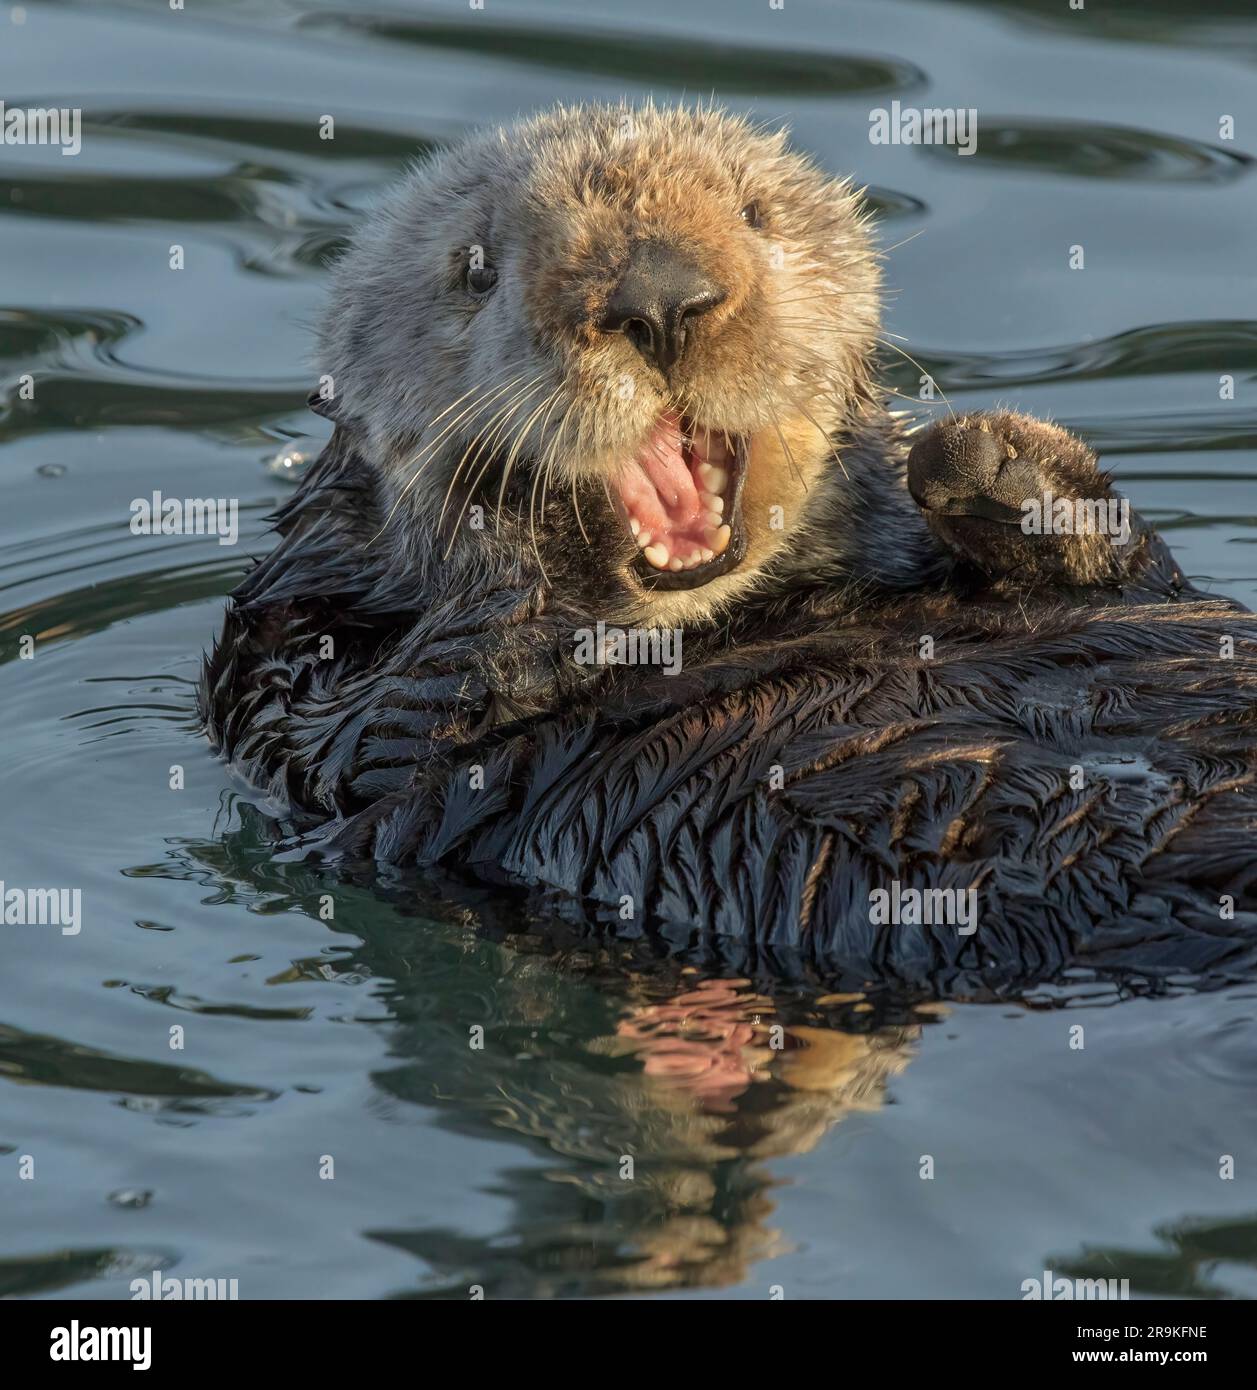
660 291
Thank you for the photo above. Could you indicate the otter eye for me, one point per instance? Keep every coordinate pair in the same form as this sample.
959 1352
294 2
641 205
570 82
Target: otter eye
481 279
751 215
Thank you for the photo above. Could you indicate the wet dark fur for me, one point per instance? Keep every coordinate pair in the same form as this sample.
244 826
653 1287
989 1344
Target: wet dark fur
607 783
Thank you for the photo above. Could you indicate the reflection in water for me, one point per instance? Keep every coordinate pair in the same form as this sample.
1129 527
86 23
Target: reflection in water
49 1061
33 1275
1088 150
707 1042
656 1096
696 1122
1194 1266
624 53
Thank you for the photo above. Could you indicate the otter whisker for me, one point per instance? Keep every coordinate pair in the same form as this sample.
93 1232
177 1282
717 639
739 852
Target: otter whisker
551 455
607 490
822 431
548 405
909 358
467 410
431 446
478 442
496 427
813 294
912 400
538 476
550 459
886 250
786 448
832 393
485 438
542 473
819 295
417 455
520 439
576 509
491 443
820 325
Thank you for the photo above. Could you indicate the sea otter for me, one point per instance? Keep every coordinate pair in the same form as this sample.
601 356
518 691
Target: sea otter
607 377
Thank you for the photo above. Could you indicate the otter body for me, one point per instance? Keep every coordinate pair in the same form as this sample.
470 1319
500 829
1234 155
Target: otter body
607 379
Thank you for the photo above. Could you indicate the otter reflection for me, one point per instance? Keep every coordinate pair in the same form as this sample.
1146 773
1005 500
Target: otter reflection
595 1054
700 1101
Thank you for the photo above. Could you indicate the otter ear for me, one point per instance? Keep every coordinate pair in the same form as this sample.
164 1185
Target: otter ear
326 406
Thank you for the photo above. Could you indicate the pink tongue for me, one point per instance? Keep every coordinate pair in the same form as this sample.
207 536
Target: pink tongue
659 489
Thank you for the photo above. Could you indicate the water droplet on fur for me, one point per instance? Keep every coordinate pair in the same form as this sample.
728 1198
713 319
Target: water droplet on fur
289 462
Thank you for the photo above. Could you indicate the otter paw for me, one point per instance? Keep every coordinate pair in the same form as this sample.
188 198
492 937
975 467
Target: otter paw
1020 498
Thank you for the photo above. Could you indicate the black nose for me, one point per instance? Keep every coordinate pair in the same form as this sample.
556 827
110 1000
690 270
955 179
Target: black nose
660 291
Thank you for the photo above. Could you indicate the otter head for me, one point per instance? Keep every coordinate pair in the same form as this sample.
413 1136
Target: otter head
653 321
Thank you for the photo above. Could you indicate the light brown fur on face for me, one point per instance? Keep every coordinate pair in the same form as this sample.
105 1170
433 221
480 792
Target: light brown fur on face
523 385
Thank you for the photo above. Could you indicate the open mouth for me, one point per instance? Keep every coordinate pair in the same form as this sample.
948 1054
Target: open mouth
683 498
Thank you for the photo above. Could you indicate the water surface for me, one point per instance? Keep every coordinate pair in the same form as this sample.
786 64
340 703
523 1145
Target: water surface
318 1020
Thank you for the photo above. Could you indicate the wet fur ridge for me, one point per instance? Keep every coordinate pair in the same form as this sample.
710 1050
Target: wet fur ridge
810 751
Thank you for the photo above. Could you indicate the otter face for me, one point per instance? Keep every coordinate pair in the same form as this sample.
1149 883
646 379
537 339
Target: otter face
662 315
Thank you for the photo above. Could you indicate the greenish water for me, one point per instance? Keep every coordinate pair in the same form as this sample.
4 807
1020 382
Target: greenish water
347 1036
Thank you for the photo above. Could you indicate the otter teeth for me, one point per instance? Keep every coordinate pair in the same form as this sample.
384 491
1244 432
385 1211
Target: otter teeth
713 479
714 543
662 558
694 538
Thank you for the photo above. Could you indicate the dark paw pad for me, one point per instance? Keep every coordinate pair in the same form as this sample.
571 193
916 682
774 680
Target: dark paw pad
958 470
